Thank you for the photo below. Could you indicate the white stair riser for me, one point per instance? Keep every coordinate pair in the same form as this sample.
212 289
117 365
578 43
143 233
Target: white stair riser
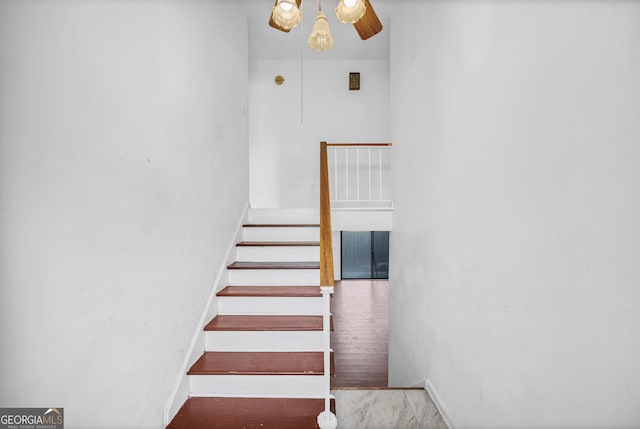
239 341
303 306
274 277
280 215
257 385
289 233
277 253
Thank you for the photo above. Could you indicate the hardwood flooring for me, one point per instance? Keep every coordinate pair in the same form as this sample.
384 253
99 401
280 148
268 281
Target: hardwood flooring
232 322
273 291
360 336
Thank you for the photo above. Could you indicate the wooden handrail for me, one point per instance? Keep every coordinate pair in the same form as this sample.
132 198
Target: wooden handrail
326 249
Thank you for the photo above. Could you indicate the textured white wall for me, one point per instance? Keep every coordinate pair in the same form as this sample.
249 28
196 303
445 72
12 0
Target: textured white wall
287 122
123 171
514 255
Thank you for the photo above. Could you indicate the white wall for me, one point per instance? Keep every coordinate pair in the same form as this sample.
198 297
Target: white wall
514 255
287 122
123 171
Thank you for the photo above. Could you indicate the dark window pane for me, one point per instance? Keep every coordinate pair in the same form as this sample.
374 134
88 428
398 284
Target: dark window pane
365 254
380 254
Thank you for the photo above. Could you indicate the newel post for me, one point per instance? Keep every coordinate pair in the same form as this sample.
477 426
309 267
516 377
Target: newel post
326 419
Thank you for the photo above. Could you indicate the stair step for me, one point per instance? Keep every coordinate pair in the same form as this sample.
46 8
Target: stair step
242 413
281 225
260 363
263 341
269 333
271 291
274 273
270 300
280 216
257 386
281 232
286 216
305 265
274 251
278 243
265 323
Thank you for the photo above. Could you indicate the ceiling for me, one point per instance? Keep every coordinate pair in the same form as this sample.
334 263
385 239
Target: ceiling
266 43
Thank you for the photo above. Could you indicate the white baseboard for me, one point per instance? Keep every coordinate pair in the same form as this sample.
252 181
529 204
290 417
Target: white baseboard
419 385
180 392
431 390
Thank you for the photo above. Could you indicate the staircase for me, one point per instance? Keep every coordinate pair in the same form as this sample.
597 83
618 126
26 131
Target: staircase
262 365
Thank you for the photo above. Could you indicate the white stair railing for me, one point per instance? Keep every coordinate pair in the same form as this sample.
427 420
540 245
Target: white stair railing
360 175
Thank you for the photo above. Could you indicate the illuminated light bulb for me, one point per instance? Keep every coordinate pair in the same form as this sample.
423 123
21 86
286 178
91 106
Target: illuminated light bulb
350 11
286 14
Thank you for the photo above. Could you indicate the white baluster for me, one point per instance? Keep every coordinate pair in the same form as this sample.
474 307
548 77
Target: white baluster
380 169
335 172
346 172
370 195
358 174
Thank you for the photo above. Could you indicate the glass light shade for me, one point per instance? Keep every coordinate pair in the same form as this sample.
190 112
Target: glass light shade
350 11
286 14
320 38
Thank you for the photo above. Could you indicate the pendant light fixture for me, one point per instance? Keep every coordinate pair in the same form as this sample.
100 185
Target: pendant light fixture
350 11
286 14
320 38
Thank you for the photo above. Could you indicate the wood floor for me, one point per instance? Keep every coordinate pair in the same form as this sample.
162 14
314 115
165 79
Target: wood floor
246 413
360 335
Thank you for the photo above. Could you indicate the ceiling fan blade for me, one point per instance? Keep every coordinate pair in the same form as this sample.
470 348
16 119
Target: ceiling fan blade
273 24
369 25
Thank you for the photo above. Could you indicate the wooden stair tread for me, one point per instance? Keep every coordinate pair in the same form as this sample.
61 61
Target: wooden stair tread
305 265
244 413
277 243
272 291
260 363
264 323
281 225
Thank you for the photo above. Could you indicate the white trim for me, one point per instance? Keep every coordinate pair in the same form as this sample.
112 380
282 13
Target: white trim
437 400
180 392
361 209
252 385
283 215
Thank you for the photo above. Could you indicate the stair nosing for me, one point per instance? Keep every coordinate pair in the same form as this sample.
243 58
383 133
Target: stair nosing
317 358
310 327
